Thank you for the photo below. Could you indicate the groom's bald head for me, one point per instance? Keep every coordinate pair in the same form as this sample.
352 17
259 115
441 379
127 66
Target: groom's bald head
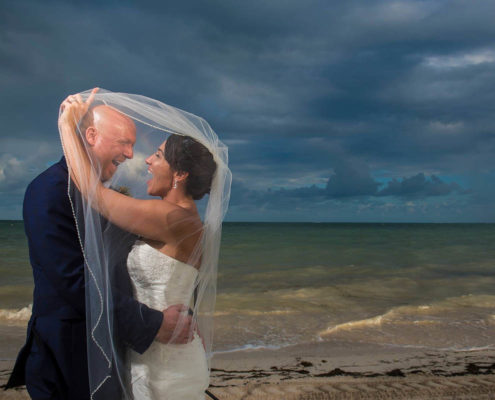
110 136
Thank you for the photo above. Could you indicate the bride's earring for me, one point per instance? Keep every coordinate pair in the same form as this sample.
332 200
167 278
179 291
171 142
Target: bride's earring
175 185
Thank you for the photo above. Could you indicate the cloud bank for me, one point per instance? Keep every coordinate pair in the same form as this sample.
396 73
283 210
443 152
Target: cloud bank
332 110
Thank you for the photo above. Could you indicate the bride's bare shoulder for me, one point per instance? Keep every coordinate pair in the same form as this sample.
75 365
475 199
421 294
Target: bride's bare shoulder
180 220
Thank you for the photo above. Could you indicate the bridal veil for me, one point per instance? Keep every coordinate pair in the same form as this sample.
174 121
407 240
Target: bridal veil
105 248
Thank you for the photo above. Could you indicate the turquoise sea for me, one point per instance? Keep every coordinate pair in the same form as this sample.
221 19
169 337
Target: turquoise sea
424 285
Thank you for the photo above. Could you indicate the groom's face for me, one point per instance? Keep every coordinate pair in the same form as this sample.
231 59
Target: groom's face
111 139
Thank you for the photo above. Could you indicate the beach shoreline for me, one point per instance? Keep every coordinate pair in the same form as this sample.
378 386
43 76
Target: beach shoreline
339 370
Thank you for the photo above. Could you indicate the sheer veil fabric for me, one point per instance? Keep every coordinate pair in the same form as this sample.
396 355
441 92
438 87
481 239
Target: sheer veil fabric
105 246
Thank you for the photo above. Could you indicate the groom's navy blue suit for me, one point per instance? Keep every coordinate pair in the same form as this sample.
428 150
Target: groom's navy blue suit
53 363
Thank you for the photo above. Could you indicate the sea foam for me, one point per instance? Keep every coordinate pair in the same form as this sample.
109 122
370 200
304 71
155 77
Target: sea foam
16 316
462 322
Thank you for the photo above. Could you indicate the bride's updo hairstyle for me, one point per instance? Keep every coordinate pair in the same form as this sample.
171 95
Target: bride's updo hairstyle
184 154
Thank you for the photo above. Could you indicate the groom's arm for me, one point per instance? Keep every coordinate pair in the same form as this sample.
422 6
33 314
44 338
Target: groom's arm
137 324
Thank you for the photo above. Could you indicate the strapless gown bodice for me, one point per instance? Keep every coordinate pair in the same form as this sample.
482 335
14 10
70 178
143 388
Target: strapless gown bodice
172 371
159 281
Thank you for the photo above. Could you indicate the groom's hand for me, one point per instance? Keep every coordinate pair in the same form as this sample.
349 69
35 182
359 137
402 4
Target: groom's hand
74 107
176 325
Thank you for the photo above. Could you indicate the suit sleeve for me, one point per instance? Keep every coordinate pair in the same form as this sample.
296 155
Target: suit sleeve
136 323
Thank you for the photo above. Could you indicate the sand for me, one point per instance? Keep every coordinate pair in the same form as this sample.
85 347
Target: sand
466 387
340 370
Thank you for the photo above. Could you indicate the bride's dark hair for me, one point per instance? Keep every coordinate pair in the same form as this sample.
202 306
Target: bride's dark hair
184 154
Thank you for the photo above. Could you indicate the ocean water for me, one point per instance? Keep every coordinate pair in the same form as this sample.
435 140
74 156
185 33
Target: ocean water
279 284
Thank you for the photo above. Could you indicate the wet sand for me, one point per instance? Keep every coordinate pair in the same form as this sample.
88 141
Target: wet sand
342 370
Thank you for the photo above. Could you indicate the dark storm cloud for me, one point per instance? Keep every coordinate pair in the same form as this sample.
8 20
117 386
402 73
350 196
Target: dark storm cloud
322 100
428 198
350 182
420 186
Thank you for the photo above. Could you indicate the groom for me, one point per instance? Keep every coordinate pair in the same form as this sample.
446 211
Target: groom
53 363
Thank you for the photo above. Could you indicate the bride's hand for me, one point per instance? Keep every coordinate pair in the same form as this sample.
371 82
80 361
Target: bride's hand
74 107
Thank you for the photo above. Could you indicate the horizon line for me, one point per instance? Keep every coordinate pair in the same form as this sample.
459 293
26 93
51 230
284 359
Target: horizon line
330 222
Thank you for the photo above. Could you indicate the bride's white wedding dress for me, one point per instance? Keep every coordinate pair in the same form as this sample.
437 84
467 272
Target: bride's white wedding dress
171 371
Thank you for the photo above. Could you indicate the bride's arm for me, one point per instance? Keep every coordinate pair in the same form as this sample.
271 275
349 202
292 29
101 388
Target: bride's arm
152 219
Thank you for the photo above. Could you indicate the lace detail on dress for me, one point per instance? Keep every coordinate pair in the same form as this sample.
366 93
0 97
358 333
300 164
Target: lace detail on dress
159 280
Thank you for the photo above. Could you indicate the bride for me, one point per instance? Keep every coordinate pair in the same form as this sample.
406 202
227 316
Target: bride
174 258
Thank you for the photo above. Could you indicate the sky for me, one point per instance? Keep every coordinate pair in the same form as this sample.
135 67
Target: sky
333 111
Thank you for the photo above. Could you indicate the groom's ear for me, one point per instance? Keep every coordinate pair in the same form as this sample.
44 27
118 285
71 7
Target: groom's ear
90 135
